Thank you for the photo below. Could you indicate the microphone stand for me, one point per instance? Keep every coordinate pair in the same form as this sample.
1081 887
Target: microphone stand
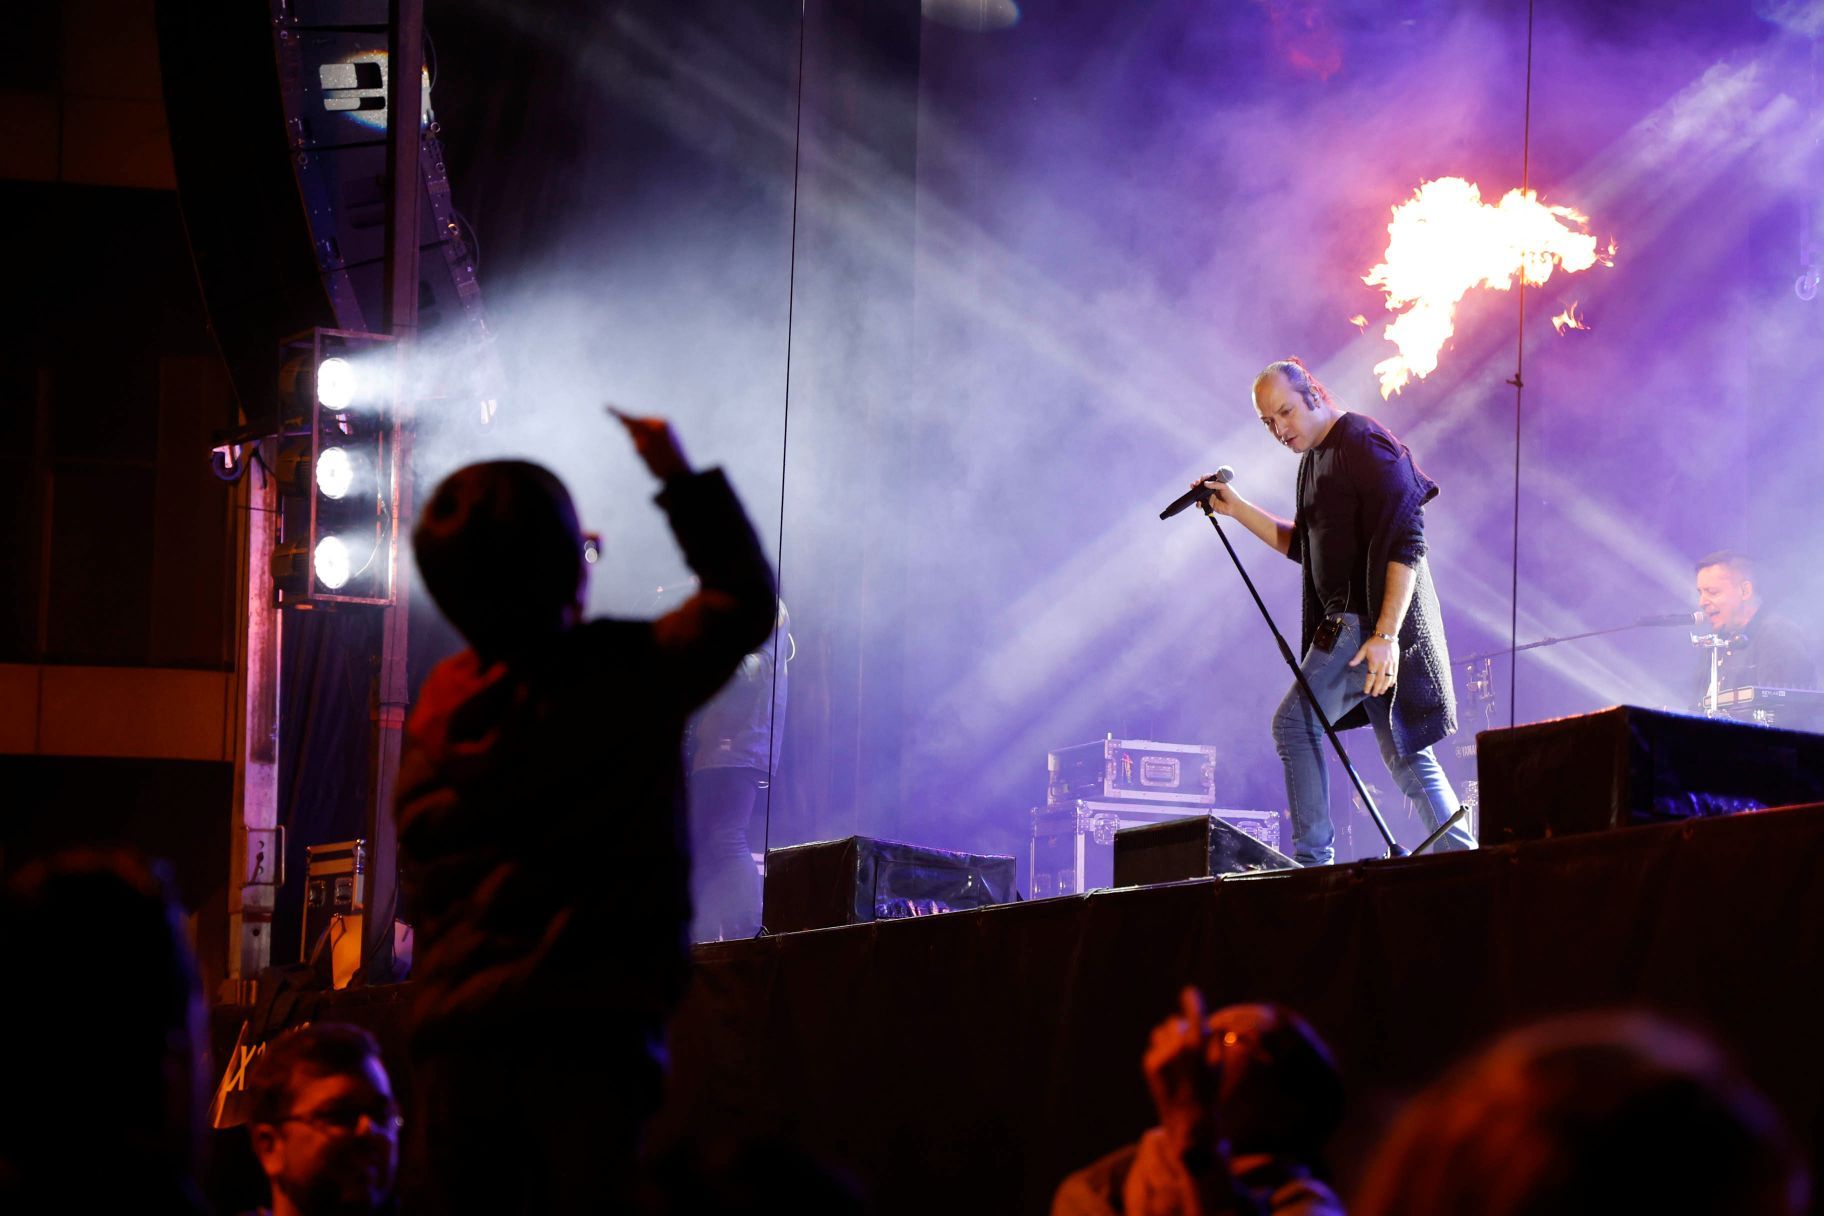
1715 643
1524 646
1285 651
1442 828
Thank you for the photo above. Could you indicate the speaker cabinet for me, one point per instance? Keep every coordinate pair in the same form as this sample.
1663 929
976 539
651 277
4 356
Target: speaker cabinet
1627 765
859 879
1203 846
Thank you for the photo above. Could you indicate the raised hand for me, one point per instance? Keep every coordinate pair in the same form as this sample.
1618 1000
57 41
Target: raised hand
1178 1072
657 446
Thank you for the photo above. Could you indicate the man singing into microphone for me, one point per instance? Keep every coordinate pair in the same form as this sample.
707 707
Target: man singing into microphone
1373 637
1764 647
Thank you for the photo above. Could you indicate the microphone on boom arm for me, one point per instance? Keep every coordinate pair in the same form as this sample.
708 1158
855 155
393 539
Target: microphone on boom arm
1198 492
1673 618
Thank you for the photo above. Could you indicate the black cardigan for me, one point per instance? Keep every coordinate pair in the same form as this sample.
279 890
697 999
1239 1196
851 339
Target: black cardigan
1392 496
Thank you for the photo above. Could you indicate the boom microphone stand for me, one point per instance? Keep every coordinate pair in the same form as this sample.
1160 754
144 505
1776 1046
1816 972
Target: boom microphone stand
1285 651
1466 660
1714 642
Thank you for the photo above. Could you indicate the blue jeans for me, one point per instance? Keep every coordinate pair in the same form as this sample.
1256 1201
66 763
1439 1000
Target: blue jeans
724 886
1298 736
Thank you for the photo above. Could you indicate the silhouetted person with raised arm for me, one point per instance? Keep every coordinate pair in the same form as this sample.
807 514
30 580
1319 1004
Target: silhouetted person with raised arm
1247 1097
541 827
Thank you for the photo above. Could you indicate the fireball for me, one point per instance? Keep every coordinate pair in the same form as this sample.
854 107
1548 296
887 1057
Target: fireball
1444 242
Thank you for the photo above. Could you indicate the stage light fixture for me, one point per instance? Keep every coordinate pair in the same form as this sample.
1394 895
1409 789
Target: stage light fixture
335 383
335 472
330 563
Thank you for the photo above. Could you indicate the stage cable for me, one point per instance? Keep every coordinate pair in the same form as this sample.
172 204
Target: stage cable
1519 383
785 431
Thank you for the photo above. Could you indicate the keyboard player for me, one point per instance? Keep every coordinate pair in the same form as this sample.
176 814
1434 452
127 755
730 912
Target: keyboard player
1758 647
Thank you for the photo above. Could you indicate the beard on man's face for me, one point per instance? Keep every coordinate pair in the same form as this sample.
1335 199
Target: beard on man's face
352 1178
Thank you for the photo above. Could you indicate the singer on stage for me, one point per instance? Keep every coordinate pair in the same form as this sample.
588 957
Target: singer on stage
1372 636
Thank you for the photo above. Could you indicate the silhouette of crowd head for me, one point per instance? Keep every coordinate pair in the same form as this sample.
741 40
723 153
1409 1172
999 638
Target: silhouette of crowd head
500 550
1585 1114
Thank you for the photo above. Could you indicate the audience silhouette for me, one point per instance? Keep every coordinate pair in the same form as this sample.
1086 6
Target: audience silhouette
1247 1097
542 832
107 1057
1586 1114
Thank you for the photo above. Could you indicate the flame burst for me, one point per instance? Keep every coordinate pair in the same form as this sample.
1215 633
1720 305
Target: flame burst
1359 321
1445 240
1568 319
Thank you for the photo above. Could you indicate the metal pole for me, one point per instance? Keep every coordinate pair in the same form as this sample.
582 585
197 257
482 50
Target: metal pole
405 116
258 853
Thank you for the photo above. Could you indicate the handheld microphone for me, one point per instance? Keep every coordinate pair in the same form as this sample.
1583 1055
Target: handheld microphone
1674 618
1198 492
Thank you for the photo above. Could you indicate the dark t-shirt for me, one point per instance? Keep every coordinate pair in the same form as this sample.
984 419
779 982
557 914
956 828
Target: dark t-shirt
1772 652
1349 488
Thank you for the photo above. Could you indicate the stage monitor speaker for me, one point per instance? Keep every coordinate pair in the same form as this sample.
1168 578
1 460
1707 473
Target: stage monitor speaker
859 879
1625 765
1203 846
